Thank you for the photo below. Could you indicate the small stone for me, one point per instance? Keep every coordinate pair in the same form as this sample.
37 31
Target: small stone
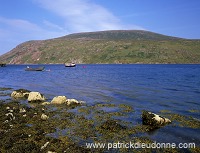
24 115
22 110
6 121
44 146
44 117
51 152
10 116
11 111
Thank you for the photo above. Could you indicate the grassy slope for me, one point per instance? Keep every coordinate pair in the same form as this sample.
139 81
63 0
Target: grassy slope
108 47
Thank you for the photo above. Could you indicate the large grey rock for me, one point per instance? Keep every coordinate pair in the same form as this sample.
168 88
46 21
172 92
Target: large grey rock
59 100
154 120
35 97
20 93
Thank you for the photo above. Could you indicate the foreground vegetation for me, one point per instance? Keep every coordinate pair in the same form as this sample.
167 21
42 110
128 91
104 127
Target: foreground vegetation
69 128
107 47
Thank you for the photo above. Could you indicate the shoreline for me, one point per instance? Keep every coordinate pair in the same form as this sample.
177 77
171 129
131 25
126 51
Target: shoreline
72 127
108 64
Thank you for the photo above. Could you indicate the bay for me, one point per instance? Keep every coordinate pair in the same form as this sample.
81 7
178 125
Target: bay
153 87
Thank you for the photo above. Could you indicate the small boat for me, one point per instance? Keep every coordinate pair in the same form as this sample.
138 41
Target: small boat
2 64
70 64
35 69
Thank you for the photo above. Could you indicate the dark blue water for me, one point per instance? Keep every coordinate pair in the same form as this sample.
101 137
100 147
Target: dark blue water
156 87
151 87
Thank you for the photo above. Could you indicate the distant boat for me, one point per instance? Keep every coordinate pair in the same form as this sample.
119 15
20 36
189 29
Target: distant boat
70 64
2 64
35 69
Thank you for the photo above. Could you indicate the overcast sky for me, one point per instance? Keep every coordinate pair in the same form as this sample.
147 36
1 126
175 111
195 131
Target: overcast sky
24 20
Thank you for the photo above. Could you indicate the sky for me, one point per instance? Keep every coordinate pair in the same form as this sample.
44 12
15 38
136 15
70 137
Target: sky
24 20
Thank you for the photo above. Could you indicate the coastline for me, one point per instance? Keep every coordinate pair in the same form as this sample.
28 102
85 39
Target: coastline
70 128
156 63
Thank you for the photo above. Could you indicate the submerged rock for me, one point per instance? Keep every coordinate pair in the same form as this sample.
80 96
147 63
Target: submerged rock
154 120
59 100
64 100
73 101
112 126
35 97
46 103
20 93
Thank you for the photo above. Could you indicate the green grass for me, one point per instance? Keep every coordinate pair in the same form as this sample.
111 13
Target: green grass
110 47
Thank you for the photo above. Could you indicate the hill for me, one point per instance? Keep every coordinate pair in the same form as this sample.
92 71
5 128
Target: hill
117 46
120 35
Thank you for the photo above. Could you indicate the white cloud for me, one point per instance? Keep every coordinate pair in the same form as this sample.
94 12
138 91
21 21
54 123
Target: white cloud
52 25
28 29
16 31
19 24
83 15
75 16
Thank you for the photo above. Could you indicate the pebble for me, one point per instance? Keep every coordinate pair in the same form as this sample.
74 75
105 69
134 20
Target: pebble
22 110
44 117
44 146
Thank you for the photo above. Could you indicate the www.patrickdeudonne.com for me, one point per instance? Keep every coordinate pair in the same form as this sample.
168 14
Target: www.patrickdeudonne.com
130 145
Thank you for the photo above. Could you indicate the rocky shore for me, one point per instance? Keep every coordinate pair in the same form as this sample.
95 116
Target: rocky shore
66 125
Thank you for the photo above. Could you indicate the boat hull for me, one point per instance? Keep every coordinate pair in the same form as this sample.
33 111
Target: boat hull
2 65
70 65
35 69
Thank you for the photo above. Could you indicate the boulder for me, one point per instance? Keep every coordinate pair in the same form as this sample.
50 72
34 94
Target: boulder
35 97
20 93
154 120
59 100
72 101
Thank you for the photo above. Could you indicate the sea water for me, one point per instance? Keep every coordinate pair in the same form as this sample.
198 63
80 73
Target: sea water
152 87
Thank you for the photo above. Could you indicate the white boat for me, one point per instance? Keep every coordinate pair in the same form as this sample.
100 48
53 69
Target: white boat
70 64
